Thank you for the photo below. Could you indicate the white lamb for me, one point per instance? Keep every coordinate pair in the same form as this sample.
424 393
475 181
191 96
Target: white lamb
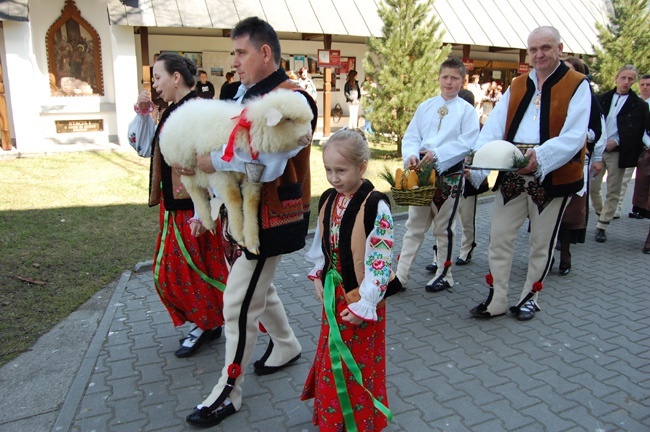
278 122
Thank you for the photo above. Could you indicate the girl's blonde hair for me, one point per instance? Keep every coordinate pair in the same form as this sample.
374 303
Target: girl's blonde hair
352 144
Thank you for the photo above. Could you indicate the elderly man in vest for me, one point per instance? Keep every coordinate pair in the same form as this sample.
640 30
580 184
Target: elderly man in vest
626 124
545 113
250 297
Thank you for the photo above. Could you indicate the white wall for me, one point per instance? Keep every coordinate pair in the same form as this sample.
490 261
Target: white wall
126 88
21 85
3 59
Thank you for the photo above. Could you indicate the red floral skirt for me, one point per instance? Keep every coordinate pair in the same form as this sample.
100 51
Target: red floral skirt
190 290
367 343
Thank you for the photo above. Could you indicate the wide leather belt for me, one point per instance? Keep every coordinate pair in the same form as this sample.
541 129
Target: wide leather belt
523 146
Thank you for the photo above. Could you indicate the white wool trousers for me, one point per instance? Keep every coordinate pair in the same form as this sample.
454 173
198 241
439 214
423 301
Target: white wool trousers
418 223
506 221
260 303
467 217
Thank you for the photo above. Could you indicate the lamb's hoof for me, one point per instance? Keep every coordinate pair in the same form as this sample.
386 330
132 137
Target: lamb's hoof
213 231
254 250
210 227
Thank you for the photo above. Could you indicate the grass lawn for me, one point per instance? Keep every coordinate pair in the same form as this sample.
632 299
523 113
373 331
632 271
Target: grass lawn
73 222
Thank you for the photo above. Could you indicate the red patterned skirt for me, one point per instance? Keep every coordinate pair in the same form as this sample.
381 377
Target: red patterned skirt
367 343
190 274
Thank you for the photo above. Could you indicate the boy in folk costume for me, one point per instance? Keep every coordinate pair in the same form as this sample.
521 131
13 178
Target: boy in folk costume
352 254
466 212
443 130
545 113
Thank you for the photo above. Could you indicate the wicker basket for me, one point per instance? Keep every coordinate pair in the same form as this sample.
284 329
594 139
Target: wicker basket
421 196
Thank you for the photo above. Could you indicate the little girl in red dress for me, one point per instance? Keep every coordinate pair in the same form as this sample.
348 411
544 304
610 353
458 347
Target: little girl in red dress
352 255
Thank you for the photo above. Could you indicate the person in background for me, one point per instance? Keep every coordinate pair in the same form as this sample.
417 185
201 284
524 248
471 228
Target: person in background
190 269
467 207
204 88
367 102
554 143
627 121
640 202
498 94
352 256
293 76
352 98
573 228
230 78
305 82
489 98
228 88
477 91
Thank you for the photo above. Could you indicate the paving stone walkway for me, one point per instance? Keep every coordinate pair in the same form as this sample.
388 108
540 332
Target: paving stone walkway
583 364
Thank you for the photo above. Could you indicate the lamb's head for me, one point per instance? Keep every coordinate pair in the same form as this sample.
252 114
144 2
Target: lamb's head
279 120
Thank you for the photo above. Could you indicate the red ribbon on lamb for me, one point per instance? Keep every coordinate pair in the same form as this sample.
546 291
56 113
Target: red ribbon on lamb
244 123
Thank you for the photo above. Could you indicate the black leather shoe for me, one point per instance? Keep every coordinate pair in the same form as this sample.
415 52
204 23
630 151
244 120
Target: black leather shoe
432 268
527 311
216 334
441 285
480 311
205 417
636 215
261 369
462 262
601 237
565 269
184 351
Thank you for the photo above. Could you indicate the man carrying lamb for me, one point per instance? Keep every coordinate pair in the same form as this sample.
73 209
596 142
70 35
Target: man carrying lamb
284 219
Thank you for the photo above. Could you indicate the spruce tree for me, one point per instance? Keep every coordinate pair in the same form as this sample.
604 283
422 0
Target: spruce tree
625 40
404 63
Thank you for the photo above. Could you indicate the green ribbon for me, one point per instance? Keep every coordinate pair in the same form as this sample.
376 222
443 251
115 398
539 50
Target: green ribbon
156 270
340 353
215 283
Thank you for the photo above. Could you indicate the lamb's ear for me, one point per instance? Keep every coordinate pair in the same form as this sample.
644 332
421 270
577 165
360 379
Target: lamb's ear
273 117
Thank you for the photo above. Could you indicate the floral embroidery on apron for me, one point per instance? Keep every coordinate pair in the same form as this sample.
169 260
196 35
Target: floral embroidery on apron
446 186
538 195
512 186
